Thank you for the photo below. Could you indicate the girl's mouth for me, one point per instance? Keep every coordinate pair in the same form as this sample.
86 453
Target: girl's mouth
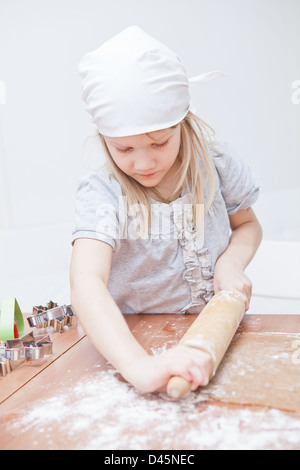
148 176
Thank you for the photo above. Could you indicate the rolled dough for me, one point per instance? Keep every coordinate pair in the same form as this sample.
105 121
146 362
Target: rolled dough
259 369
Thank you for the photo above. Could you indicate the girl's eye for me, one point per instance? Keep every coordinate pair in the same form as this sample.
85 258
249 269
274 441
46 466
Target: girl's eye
124 150
160 145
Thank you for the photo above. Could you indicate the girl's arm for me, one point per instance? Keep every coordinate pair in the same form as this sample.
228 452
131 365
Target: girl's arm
244 242
98 313
106 327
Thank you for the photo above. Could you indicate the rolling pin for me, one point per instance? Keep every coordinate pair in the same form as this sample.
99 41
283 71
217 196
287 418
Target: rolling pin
212 332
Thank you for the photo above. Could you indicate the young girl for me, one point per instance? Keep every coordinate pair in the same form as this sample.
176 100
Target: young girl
168 222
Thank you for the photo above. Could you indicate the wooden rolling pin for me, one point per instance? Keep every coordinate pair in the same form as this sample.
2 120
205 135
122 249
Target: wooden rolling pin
212 332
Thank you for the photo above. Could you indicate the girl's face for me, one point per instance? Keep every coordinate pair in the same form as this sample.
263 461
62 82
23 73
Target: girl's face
147 158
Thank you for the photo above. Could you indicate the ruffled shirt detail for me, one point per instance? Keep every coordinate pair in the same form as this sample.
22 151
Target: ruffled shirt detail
196 257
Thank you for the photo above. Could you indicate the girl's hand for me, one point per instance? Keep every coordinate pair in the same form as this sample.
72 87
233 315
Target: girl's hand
230 276
152 373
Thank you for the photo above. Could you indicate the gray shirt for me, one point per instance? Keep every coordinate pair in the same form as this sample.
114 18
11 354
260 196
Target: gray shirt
171 270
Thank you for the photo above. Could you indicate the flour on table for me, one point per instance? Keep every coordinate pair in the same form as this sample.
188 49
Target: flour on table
103 412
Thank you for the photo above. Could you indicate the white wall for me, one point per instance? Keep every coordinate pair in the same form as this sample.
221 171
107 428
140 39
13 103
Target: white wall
43 124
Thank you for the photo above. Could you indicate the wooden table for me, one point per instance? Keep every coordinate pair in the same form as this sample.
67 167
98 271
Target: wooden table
76 400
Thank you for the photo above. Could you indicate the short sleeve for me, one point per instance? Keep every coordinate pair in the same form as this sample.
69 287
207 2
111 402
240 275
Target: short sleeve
239 187
96 209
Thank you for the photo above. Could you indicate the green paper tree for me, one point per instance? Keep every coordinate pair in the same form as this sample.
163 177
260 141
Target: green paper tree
9 312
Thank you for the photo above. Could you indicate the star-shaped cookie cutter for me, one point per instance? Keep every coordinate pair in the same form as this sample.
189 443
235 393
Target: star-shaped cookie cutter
53 315
28 348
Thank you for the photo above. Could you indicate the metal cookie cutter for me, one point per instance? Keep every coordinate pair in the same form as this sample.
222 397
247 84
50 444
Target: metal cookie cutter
27 348
53 315
5 367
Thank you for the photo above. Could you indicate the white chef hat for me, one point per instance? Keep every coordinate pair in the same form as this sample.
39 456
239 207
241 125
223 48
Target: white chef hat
133 84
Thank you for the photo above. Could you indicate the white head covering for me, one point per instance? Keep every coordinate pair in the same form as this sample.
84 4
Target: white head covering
133 84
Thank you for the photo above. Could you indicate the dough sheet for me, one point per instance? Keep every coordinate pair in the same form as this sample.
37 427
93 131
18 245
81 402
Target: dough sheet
259 369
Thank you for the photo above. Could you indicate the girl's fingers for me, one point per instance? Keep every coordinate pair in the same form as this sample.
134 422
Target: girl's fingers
197 377
200 377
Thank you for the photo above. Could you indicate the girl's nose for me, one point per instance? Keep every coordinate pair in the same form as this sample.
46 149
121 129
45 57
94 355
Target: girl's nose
144 163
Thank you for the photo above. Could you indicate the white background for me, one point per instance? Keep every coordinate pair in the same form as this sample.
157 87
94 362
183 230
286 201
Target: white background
43 124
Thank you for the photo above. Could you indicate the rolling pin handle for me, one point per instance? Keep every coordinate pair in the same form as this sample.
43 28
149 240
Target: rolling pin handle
178 387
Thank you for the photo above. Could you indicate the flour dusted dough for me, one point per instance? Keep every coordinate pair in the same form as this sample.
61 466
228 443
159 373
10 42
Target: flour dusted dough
259 369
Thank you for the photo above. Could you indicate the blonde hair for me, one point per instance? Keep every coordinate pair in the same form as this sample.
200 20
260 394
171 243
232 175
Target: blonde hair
196 170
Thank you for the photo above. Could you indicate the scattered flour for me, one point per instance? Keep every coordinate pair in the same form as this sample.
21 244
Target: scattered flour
103 412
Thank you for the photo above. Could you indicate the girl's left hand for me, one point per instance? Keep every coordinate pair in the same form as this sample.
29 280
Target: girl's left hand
229 276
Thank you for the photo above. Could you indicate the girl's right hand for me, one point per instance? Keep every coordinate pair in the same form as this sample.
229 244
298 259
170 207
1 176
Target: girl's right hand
152 373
